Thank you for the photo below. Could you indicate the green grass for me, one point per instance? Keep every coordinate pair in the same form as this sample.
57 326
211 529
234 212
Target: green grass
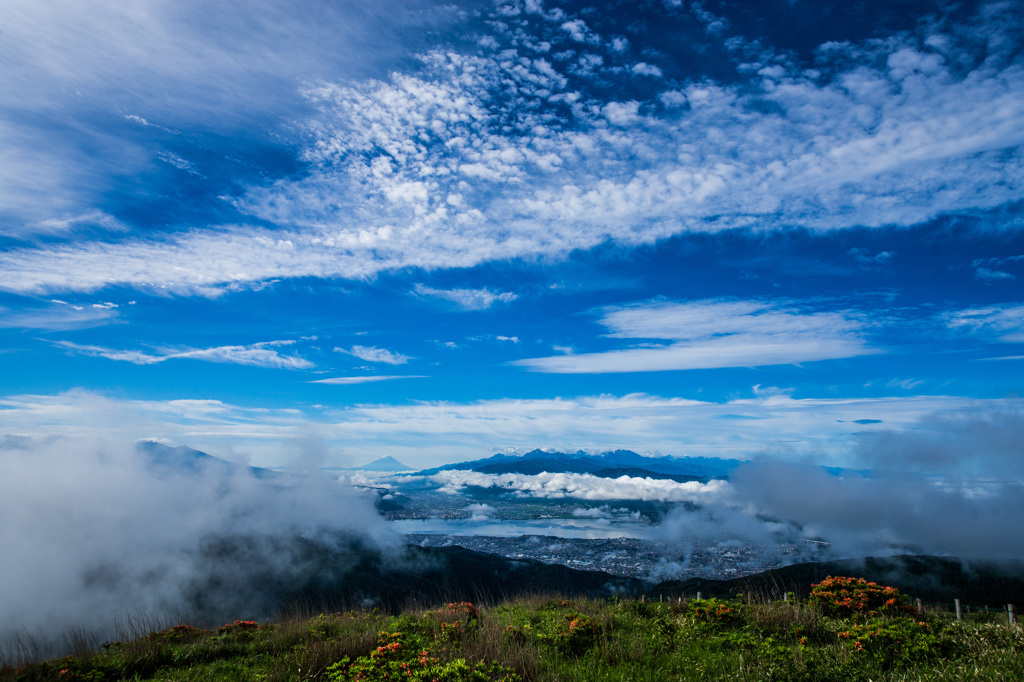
565 640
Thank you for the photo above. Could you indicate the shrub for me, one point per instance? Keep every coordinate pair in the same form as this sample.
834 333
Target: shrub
845 597
716 612
576 634
238 627
894 642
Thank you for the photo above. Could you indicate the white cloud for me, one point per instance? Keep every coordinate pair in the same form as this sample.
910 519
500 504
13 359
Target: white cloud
173 66
345 381
133 356
86 524
987 269
905 384
424 434
645 69
622 113
902 137
1001 322
587 487
864 257
713 334
373 354
92 219
998 261
580 32
988 275
60 316
602 512
255 355
468 299
480 512
181 164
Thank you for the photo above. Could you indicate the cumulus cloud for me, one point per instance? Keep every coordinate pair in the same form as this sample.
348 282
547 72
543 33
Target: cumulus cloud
94 532
255 355
645 69
602 512
580 32
585 486
467 299
466 158
622 113
373 354
480 512
714 333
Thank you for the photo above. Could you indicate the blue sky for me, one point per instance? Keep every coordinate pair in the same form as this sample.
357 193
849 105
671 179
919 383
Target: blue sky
439 230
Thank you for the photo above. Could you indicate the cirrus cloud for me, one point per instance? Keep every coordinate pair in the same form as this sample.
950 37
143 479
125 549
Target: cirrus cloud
254 355
374 354
713 334
467 299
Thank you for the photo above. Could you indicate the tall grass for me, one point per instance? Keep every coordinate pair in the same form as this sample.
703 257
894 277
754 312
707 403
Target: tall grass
553 638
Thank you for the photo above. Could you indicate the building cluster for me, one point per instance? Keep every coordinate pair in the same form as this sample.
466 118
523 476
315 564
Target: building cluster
634 557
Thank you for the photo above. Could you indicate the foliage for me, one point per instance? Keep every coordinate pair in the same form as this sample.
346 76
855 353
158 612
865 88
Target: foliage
845 597
410 658
716 612
846 631
898 641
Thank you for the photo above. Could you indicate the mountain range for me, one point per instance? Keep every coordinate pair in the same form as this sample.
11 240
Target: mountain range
183 459
163 459
342 574
606 465
933 579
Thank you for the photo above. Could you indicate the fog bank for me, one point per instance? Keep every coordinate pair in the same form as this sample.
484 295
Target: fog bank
94 530
951 484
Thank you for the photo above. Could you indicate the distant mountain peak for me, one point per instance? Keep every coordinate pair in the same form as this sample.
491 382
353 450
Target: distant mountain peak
386 463
610 464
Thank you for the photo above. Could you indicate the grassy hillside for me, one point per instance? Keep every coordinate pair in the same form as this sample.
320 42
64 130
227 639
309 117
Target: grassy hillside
846 630
936 580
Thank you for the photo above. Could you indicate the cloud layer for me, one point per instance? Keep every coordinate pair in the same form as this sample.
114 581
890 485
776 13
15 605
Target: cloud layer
585 486
512 149
429 433
94 534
